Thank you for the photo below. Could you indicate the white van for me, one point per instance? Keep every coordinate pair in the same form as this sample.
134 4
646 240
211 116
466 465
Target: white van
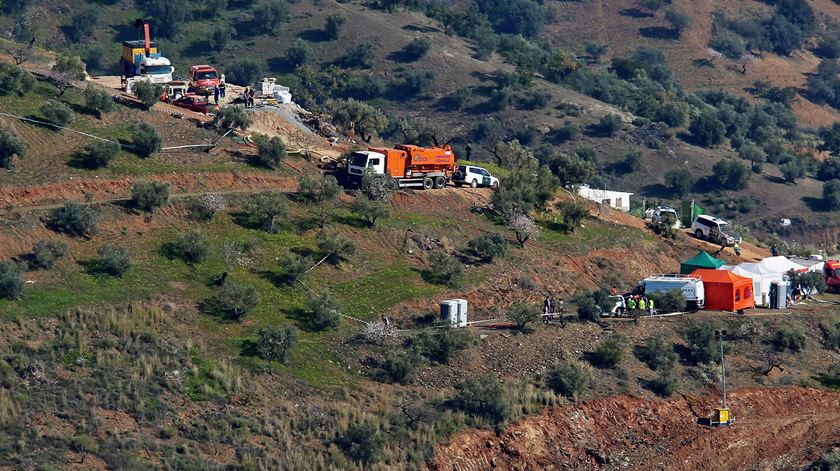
691 287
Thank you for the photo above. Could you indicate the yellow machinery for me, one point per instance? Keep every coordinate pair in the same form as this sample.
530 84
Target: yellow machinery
721 418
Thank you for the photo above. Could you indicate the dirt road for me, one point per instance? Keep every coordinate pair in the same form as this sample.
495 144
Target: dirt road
775 429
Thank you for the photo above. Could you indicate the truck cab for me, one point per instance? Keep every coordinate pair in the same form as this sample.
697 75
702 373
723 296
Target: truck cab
409 166
203 78
831 269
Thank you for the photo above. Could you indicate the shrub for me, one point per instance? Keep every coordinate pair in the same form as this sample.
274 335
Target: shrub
114 260
299 53
47 252
700 338
808 282
191 246
610 352
633 162
220 37
444 269
400 367
244 72
334 25
148 93
11 279
148 195
101 153
364 86
56 112
324 311
333 246
15 80
788 338
668 301
488 247
235 300
320 193
73 219
275 344
419 83
459 99
831 194
728 43
731 174
443 344
658 353
98 100
573 213
482 397
270 152
230 117
679 181
293 266
707 130
360 55
679 21
829 169
569 378
369 209
416 49
590 305
665 382
267 211
10 146
568 132
792 171
523 314
753 154
608 124
269 15
361 442
145 138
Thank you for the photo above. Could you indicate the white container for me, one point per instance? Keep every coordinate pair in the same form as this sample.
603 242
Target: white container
449 312
463 307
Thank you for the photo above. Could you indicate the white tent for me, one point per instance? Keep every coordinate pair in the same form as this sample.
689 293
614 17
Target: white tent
762 279
780 265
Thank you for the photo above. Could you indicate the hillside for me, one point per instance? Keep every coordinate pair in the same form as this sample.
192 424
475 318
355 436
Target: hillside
239 321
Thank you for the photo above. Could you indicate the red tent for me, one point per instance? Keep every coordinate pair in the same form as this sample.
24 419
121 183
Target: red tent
726 291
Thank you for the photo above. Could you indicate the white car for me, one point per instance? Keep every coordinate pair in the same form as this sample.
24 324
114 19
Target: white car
666 213
714 230
474 177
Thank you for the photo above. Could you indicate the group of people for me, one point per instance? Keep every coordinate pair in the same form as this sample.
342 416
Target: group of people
550 306
640 303
219 90
249 95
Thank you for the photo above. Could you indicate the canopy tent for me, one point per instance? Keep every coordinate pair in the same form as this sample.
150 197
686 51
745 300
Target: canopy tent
780 265
761 277
726 291
701 260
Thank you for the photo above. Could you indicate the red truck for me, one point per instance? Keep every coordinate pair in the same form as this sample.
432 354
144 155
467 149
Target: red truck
831 269
425 167
203 79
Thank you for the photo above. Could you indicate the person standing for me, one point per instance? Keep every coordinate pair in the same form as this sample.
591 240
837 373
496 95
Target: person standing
252 94
642 304
545 306
245 96
222 86
774 250
551 308
631 305
650 307
737 247
216 93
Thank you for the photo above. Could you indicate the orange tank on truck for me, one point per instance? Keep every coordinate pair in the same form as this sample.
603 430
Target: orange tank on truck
407 165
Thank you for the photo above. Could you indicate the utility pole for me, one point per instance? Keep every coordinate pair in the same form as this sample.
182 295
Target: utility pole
719 336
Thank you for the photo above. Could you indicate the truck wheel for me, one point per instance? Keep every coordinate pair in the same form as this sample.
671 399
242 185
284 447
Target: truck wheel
698 233
474 183
494 185
397 185
440 182
428 184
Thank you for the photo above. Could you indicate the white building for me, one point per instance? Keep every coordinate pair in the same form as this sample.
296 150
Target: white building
615 199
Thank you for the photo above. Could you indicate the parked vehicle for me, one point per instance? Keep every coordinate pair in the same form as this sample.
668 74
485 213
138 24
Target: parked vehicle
831 269
664 213
474 177
409 166
203 79
197 103
619 306
142 61
690 286
714 230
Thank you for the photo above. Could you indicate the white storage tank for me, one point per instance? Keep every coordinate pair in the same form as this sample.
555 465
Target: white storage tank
449 312
463 306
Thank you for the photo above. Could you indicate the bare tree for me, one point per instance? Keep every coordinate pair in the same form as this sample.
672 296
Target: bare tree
234 255
378 332
523 226
67 72
210 204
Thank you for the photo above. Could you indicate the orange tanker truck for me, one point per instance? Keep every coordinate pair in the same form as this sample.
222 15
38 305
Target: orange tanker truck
409 166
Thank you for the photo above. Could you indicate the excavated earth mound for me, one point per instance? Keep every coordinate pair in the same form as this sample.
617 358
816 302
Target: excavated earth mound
775 429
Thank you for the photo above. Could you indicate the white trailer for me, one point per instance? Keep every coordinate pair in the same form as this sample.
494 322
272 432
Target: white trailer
691 287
